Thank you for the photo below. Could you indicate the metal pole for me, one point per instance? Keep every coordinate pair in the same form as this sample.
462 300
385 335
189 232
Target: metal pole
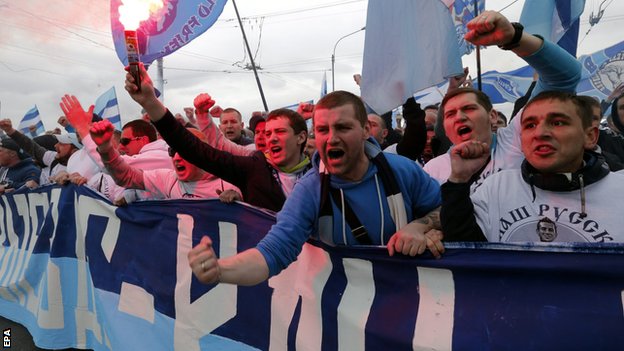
476 12
334 53
253 65
333 61
160 82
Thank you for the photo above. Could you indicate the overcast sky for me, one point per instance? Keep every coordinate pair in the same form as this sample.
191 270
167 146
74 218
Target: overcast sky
49 48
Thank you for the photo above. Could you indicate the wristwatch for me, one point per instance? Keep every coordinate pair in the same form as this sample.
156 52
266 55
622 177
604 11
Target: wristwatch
515 41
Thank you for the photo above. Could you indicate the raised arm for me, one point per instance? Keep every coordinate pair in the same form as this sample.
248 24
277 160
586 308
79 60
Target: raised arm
123 175
231 168
557 69
27 144
457 214
414 139
203 102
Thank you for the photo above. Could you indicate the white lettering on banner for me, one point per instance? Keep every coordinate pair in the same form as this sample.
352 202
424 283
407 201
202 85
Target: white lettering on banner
215 307
436 307
55 195
86 317
623 300
53 317
93 207
136 301
10 257
355 304
21 206
32 229
309 274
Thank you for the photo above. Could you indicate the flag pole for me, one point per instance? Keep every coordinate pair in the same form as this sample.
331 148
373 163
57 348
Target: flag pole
476 14
253 65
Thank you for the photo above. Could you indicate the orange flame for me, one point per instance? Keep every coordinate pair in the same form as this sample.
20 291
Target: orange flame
132 12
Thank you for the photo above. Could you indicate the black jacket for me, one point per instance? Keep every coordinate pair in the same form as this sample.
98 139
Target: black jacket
257 180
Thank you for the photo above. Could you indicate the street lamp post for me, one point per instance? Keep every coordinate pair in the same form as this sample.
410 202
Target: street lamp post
333 58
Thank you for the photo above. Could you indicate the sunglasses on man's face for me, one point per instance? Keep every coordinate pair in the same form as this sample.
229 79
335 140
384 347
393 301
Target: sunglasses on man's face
126 141
172 152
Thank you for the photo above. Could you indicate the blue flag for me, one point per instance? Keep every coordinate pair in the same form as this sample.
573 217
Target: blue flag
602 72
419 38
507 86
182 22
31 118
555 20
463 11
107 107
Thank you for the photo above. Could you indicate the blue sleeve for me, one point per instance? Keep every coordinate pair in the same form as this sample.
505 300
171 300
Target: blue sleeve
427 196
557 69
295 223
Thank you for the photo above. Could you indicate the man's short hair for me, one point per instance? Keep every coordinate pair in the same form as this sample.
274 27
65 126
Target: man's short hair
232 109
482 98
142 128
583 107
295 120
382 123
435 106
340 98
502 116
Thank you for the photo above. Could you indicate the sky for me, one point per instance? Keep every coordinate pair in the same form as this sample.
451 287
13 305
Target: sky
48 49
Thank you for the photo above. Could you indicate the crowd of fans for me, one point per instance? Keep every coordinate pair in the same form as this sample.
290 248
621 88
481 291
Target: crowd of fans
457 171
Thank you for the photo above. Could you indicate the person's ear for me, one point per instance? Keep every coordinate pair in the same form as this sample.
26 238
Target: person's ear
591 137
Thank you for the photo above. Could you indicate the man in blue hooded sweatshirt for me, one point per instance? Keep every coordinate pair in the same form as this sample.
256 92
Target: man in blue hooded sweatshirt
386 200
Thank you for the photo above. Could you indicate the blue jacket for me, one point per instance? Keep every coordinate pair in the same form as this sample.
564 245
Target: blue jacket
299 218
22 172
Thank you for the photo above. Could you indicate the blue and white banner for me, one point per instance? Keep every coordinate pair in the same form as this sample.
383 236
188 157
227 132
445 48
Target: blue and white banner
107 107
508 86
555 20
602 72
181 22
463 11
79 272
31 118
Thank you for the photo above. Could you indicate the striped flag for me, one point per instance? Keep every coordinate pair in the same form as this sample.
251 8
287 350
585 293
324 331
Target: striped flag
31 118
107 107
555 20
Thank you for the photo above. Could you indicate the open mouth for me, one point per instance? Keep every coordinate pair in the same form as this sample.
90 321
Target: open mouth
463 130
276 149
180 168
335 154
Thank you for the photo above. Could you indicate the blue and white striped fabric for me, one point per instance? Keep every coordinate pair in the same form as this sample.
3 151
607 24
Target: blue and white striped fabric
32 117
556 20
107 107
418 61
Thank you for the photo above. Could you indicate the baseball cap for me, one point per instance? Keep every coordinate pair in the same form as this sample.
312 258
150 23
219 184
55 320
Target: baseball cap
69 138
10 144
